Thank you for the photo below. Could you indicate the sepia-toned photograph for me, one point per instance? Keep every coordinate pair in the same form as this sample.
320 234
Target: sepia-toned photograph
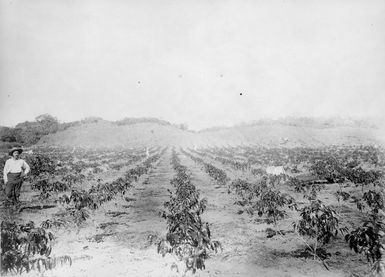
174 138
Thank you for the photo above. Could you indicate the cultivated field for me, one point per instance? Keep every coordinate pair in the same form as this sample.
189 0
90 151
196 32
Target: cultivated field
215 211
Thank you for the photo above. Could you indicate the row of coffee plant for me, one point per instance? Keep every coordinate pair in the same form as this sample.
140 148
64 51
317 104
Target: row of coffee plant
188 237
217 174
233 163
79 202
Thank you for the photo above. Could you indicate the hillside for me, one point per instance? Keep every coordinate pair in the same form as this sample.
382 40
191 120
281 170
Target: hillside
107 134
293 136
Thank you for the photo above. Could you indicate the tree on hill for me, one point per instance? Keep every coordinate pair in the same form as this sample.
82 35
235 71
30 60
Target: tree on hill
10 134
135 120
183 126
91 119
48 123
30 132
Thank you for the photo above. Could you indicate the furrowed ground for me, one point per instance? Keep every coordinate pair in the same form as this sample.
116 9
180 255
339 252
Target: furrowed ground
104 209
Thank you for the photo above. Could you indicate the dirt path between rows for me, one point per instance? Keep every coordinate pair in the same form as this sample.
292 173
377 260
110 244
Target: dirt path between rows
122 246
116 239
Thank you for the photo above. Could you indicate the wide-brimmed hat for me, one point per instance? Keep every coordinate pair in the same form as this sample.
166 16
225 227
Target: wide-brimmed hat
13 149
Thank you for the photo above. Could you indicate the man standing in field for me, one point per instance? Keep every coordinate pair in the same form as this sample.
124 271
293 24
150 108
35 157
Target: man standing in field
15 170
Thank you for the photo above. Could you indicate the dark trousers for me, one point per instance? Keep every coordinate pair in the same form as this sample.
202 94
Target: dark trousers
13 186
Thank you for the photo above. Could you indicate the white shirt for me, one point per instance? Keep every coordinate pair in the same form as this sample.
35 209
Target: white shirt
15 166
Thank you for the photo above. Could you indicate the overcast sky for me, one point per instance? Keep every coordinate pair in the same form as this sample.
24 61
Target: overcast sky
189 61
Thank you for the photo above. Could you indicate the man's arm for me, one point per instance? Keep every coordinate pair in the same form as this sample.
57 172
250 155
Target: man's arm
26 168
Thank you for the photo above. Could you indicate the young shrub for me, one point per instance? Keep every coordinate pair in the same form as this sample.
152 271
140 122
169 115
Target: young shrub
319 224
26 247
366 240
271 202
328 168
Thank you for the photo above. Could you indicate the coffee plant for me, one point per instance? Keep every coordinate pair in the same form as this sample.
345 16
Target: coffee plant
48 187
26 247
319 223
263 198
308 188
50 223
40 165
271 202
328 168
368 240
245 190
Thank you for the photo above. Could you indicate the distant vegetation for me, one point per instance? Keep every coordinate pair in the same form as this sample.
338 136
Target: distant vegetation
130 121
315 122
30 132
304 122
137 120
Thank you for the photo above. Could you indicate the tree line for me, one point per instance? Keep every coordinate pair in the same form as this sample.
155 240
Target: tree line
30 132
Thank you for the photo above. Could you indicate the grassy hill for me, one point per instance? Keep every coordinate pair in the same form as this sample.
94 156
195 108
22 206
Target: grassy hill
107 134
293 136
102 134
